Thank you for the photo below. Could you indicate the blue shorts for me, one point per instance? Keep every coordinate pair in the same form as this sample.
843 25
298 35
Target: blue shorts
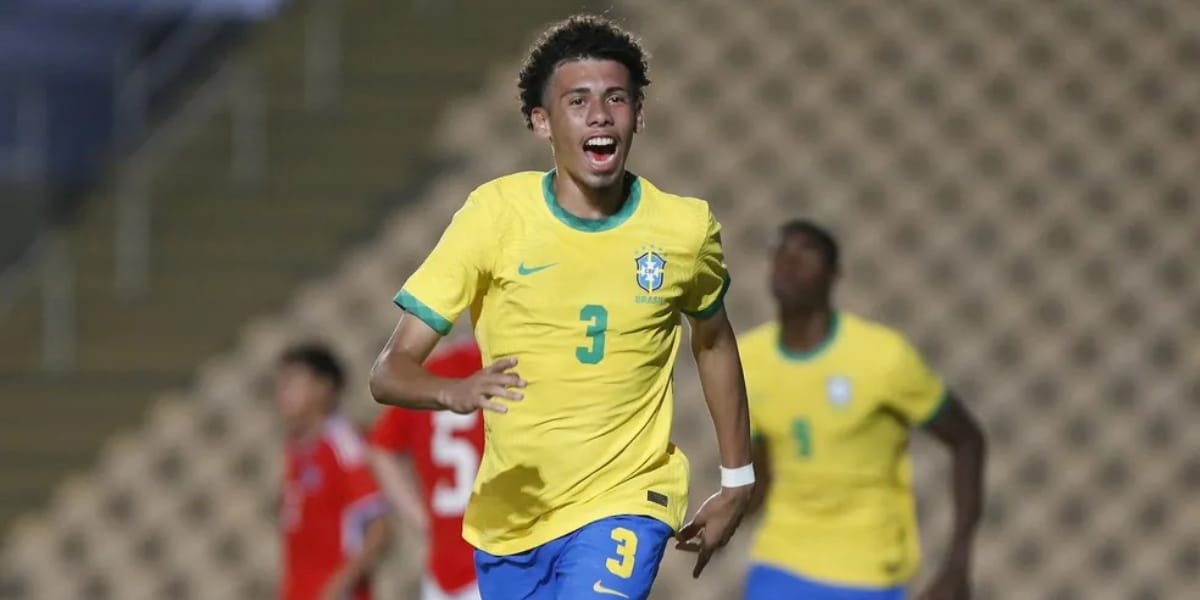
616 557
767 582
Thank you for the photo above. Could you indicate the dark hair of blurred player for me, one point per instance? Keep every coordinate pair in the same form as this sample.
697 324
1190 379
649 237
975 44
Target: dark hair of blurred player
833 398
308 383
332 515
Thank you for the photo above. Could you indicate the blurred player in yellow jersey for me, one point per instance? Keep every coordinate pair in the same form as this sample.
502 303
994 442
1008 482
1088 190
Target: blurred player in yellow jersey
577 280
833 398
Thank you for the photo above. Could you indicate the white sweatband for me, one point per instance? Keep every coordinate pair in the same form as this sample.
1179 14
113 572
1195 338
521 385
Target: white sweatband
739 477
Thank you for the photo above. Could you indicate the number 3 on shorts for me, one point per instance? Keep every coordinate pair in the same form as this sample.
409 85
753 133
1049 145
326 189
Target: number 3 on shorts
626 550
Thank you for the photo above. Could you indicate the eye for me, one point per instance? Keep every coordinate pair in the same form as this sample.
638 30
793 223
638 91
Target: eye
576 101
617 99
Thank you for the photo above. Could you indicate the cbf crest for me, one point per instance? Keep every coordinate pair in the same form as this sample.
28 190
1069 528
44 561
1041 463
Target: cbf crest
838 391
651 267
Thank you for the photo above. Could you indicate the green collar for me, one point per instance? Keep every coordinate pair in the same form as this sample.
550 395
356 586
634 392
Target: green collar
592 225
835 323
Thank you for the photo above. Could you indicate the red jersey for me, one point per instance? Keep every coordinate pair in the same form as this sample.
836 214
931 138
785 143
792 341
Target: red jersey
445 448
329 498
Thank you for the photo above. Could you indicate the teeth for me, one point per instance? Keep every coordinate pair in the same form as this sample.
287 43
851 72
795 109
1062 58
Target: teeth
600 141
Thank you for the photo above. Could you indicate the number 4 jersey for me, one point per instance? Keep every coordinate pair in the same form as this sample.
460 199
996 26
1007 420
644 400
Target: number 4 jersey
591 311
445 448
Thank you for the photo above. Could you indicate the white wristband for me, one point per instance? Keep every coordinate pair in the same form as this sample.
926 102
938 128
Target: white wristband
739 477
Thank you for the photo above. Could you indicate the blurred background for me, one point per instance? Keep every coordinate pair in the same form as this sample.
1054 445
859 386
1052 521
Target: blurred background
187 186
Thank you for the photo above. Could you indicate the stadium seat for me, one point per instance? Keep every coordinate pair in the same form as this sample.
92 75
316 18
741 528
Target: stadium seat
1011 183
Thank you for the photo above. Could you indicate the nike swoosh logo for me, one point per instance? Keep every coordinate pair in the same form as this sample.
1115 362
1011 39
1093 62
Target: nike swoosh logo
600 589
524 270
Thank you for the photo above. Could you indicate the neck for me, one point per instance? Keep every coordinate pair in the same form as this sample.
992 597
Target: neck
307 431
587 202
803 330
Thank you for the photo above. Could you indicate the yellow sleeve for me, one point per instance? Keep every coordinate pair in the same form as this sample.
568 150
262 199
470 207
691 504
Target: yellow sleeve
915 391
456 273
709 279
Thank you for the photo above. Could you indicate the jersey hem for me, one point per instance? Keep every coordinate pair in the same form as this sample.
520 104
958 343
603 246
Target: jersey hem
419 309
827 582
570 526
716 304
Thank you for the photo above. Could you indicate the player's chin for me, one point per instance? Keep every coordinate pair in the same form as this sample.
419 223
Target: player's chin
602 174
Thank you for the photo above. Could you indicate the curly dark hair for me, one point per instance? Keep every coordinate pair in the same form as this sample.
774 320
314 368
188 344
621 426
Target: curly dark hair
576 38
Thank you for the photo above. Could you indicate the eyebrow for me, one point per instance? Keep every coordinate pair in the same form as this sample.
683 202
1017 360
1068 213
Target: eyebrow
588 90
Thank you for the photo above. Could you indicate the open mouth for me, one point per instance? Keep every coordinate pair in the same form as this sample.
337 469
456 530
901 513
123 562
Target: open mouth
600 150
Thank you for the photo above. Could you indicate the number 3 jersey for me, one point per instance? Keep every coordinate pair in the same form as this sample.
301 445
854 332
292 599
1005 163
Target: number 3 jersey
445 448
591 311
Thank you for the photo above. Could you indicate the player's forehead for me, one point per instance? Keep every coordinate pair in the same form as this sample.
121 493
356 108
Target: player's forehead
295 371
596 75
798 240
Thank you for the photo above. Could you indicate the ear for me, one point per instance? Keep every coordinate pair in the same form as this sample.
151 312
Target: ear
541 122
639 124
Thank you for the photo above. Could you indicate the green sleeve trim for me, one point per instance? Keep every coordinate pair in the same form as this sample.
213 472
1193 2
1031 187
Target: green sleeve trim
430 317
757 437
937 410
716 304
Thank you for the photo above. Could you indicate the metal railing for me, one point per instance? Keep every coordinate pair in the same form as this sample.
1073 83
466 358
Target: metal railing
142 77
236 86
26 159
46 260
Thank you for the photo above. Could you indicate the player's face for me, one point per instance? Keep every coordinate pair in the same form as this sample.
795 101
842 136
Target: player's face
590 114
300 395
800 278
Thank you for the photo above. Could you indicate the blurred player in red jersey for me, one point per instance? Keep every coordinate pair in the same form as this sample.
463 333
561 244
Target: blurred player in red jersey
443 448
333 517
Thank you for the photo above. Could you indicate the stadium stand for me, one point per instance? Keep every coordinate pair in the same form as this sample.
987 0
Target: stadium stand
1014 183
223 253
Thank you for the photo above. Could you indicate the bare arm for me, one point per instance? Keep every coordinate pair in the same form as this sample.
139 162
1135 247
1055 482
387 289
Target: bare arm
762 475
399 377
375 541
715 348
396 477
955 428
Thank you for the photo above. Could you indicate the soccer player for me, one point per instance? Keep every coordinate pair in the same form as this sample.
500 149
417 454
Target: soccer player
833 399
334 529
577 280
426 462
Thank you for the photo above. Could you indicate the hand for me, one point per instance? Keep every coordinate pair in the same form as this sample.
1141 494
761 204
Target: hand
951 583
476 392
338 588
714 524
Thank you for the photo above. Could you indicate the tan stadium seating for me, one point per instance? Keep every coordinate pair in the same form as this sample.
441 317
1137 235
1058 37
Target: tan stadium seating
1014 184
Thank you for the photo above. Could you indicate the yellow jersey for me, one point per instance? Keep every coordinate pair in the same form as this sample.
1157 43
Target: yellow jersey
591 310
836 421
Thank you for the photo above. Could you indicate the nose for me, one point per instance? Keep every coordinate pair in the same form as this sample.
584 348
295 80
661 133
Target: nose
599 115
